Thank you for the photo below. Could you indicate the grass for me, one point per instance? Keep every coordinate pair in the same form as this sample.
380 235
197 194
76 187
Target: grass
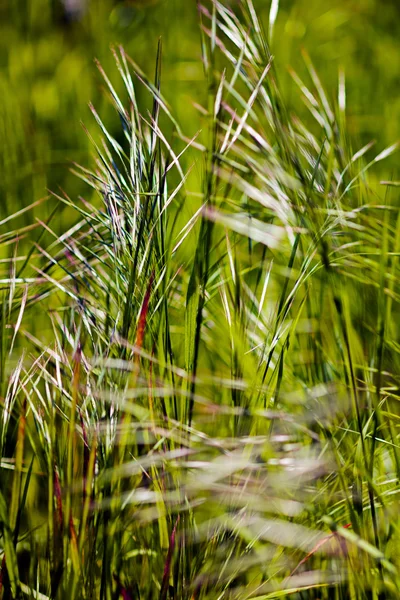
212 410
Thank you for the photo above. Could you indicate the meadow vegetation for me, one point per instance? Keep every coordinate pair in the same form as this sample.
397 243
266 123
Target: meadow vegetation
199 368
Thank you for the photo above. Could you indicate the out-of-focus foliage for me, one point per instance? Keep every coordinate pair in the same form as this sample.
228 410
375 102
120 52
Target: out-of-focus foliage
47 76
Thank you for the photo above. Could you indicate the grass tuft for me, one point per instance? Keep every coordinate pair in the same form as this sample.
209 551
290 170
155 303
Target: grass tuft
212 411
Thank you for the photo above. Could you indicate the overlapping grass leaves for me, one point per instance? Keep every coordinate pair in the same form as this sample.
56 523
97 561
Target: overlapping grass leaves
214 415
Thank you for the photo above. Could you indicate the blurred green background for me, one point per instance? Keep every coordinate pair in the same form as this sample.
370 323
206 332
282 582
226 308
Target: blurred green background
47 75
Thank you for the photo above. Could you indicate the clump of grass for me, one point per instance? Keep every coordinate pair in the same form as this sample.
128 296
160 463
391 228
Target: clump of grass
213 412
